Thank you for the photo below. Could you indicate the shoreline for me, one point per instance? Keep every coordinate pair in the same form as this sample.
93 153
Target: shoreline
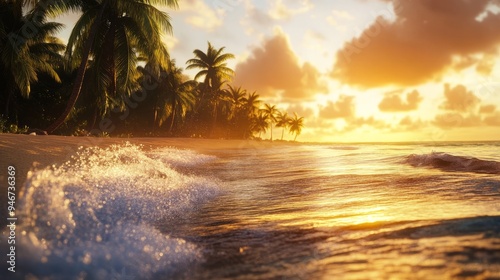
27 152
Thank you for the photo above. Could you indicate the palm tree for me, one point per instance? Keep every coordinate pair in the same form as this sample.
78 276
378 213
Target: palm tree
282 120
296 125
236 97
213 65
270 111
179 97
115 34
260 123
23 58
251 104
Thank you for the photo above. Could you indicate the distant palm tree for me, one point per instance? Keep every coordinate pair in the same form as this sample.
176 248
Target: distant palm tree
114 34
251 104
296 125
176 98
282 120
260 123
236 97
23 58
213 65
270 111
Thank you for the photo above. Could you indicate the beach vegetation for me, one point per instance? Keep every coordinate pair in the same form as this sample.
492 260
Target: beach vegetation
105 45
115 77
215 73
271 112
296 125
283 121
25 56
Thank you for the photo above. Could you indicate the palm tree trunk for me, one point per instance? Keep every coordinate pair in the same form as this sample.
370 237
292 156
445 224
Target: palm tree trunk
295 139
214 122
282 133
7 104
77 87
91 125
271 131
173 118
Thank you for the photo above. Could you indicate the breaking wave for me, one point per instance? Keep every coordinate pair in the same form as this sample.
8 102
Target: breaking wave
95 216
448 162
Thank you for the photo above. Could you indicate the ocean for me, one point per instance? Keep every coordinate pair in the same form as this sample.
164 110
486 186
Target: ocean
308 211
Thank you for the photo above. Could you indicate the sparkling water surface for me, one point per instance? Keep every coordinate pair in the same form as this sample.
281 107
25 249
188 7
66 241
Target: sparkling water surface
329 211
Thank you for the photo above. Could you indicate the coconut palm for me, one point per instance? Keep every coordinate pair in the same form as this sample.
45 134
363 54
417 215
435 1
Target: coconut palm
179 97
296 125
260 123
235 97
282 120
213 65
23 58
270 111
114 34
251 104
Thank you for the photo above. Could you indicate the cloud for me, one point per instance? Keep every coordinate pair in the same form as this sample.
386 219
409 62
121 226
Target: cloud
312 35
487 109
465 110
393 102
369 121
200 15
274 69
171 42
493 120
301 111
486 64
333 18
454 120
459 99
419 44
408 124
343 108
280 10
255 16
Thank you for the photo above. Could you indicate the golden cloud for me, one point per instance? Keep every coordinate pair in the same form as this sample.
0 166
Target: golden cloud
343 108
420 44
486 109
459 99
465 110
393 102
493 120
274 69
200 15
454 120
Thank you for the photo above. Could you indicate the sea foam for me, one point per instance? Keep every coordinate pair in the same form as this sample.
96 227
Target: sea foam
95 216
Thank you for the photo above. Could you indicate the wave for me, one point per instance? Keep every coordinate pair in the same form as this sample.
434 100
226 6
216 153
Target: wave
96 215
344 148
448 162
487 226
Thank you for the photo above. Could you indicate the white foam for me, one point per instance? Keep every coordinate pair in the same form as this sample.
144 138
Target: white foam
95 215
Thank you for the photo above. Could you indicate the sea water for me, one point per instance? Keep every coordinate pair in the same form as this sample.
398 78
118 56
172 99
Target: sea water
310 211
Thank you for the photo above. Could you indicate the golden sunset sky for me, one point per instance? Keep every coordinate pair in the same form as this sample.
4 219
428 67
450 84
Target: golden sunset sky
358 70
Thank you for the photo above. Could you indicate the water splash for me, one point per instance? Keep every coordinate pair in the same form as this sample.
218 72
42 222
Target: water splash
97 213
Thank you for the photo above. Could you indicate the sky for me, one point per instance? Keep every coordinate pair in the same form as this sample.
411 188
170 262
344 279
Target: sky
357 70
